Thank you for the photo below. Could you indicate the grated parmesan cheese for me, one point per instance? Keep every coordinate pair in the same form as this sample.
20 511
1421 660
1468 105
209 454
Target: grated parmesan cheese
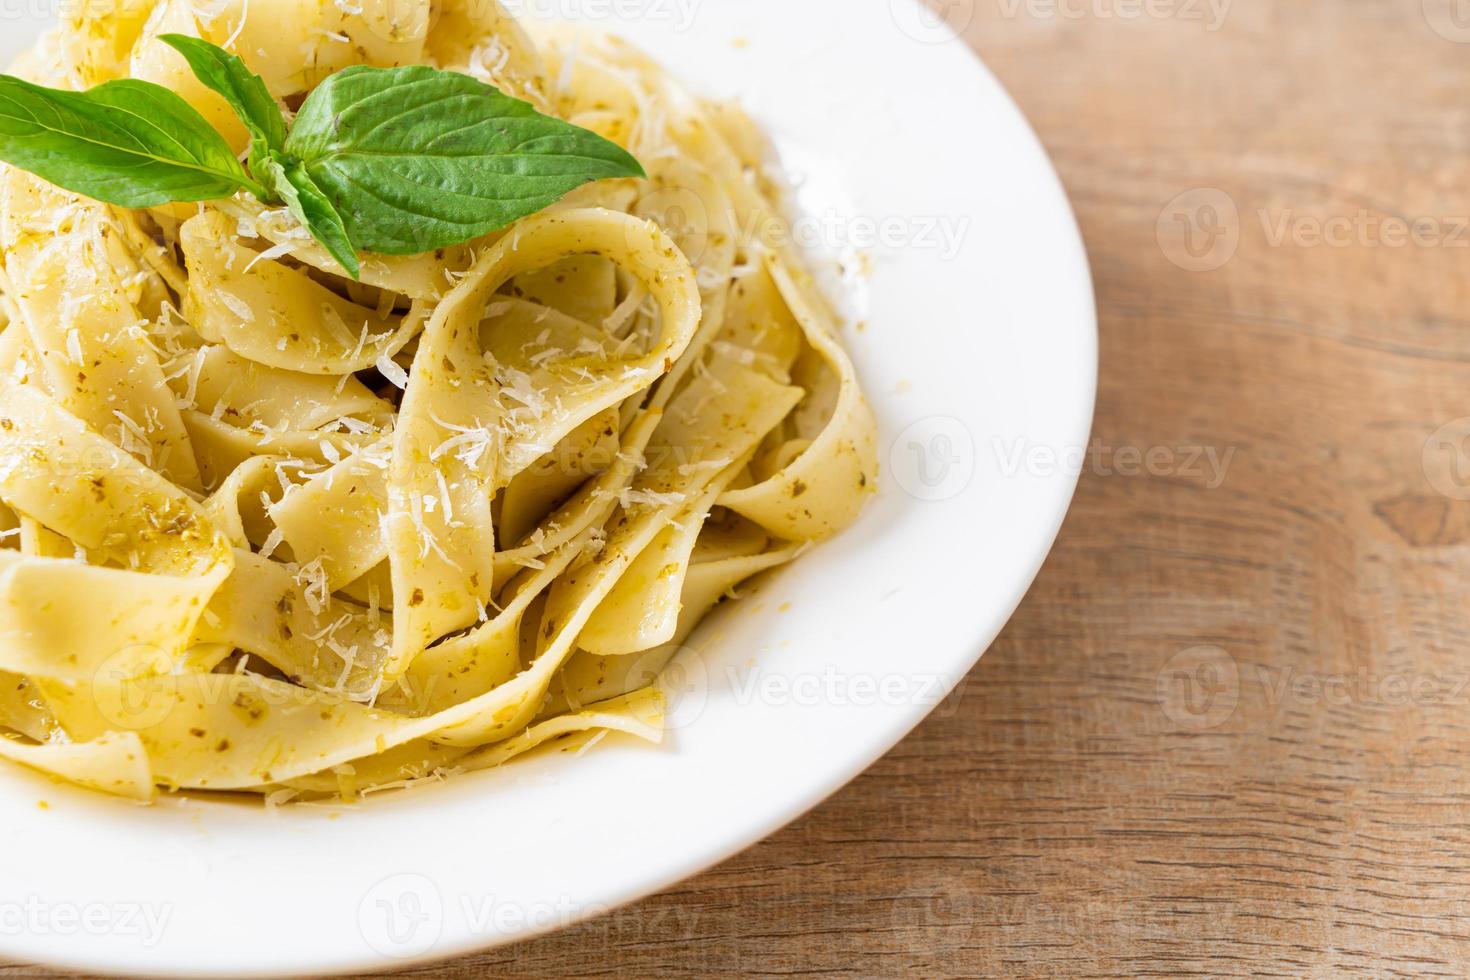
391 370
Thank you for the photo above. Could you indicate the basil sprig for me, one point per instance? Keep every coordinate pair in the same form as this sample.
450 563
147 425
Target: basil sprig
390 160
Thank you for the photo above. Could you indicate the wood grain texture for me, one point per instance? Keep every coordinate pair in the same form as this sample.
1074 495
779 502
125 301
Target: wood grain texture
1228 732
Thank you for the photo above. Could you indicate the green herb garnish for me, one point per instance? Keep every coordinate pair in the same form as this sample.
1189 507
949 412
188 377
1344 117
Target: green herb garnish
390 160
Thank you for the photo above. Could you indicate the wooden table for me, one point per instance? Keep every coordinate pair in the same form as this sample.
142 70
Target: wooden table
1228 733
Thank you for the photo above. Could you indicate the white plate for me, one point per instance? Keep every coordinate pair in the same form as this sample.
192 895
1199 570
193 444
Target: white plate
980 359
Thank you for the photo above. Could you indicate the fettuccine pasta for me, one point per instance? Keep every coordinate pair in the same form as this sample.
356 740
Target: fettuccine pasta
268 528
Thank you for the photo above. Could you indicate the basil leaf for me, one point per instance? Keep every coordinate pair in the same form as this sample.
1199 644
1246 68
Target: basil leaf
127 142
244 90
311 207
415 158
